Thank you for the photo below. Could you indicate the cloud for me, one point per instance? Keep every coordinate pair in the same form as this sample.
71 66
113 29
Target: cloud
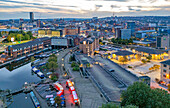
97 7
82 8
110 0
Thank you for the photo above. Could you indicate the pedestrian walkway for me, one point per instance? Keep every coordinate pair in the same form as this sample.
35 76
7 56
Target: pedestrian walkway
68 96
42 102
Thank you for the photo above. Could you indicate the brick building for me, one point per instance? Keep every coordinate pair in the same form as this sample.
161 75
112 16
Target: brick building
46 41
19 50
88 45
71 31
74 40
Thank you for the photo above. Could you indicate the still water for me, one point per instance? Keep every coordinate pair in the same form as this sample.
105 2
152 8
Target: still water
14 79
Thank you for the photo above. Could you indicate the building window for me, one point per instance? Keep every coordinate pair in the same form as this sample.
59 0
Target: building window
164 70
164 65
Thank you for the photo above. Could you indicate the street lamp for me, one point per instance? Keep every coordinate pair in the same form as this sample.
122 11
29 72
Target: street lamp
62 59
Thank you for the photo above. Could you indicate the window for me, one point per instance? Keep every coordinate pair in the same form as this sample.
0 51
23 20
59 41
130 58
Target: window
164 65
164 70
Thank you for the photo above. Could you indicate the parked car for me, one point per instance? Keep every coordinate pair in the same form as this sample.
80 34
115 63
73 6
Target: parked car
111 70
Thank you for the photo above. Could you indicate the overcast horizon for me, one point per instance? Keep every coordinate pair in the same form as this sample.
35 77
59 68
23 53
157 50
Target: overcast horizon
43 9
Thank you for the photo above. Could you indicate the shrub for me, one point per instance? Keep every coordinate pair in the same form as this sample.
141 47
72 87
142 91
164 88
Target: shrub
129 66
73 64
75 68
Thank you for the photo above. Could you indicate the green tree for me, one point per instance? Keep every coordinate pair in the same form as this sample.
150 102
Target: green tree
143 61
19 37
52 59
75 68
73 64
111 105
142 95
27 37
130 41
9 38
52 65
30 34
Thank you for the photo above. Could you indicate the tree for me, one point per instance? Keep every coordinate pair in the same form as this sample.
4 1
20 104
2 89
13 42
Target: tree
9 38
30 34
19 37
143 61
52 65
142 95
168 87
75 68
73 64
130 41
111 105
52 59
0 34
27 37
54 76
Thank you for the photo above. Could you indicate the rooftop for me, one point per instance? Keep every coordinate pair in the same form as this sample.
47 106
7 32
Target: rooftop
123 53
167 62
148 50
30 43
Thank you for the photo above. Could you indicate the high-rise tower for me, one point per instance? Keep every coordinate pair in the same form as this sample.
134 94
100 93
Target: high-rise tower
31 17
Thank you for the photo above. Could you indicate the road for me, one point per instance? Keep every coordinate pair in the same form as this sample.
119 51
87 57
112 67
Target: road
109 85
122 74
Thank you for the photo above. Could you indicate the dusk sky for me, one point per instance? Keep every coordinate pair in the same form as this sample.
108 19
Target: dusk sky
15 9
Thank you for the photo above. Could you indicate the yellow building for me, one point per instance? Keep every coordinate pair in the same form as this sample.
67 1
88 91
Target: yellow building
56 33
41 33
121 55
154 53
49 33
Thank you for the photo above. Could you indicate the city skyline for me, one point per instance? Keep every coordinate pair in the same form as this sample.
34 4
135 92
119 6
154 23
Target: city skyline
15 9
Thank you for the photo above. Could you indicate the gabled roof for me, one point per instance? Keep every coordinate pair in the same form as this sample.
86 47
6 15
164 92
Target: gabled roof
123 53
41 39
167 62
148 50
30 43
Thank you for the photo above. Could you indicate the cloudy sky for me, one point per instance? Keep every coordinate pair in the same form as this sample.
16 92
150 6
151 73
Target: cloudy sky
13 9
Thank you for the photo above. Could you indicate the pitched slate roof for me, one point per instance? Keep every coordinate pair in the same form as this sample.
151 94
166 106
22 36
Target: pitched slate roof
30 43
167 62
42 39
148 50
123 53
